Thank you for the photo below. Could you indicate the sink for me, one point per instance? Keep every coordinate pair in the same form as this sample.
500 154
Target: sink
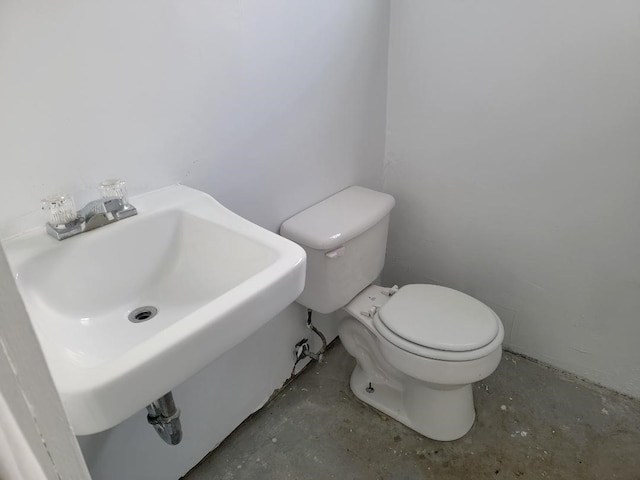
213 278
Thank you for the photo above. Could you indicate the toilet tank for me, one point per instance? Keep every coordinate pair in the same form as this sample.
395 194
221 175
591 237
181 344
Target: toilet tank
345 238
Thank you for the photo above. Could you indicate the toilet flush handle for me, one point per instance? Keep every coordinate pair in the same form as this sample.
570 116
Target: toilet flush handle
335 253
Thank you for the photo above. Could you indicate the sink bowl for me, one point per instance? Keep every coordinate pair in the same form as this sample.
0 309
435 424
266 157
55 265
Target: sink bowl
127 312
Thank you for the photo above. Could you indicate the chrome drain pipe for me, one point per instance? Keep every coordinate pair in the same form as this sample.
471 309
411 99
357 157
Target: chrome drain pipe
165 419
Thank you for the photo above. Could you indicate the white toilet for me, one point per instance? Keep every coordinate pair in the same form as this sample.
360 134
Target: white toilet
417 348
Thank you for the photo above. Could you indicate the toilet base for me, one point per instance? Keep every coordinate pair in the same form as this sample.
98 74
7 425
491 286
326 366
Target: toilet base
439 412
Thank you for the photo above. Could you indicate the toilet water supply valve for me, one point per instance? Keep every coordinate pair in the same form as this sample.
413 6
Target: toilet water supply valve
302 349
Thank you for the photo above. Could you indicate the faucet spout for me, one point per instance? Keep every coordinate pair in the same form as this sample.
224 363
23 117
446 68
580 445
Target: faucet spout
103 212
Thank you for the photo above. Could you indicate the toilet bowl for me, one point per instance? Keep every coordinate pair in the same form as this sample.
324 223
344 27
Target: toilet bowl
418 348
427 389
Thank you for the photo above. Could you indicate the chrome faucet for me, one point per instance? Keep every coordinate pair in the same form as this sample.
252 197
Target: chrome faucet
65 222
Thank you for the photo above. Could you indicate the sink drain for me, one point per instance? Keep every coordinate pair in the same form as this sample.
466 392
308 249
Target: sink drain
142 314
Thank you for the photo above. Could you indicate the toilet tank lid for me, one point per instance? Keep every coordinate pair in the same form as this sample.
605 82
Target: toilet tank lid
338 219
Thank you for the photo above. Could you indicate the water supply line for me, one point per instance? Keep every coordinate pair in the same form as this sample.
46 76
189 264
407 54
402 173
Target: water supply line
302 347
319 354
164 416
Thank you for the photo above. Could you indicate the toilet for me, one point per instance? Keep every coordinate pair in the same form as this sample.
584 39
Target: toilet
418 348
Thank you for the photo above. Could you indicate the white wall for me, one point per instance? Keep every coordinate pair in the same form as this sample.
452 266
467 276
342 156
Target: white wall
513 150
268 106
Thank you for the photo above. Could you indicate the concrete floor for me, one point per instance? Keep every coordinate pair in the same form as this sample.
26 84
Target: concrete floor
532 422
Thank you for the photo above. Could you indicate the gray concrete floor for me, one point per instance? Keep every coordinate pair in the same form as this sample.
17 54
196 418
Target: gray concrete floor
532 422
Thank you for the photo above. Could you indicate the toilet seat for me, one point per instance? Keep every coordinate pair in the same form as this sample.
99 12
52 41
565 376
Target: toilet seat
439 323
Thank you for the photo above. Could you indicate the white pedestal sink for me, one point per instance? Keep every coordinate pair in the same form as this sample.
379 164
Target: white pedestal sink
213 277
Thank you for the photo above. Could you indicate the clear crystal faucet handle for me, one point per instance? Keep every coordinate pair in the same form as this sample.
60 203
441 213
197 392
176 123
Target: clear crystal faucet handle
60 208
114 188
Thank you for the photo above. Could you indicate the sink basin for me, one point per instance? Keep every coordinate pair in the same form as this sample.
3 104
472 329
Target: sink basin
212 277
